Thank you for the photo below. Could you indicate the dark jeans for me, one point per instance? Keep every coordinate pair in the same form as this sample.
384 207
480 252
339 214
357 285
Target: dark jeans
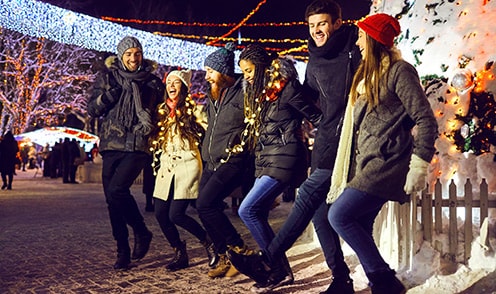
173 212
215 186
310 205
119 171
352 216
148 182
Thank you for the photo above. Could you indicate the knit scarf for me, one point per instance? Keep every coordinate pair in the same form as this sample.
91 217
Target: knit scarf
339 176
130 101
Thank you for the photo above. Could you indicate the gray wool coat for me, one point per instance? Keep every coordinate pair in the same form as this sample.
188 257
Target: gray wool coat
383 141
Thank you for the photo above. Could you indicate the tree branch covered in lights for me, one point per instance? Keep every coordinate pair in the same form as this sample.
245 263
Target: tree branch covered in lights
41 81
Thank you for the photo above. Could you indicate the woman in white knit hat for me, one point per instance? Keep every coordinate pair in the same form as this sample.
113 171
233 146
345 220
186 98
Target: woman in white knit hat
178 166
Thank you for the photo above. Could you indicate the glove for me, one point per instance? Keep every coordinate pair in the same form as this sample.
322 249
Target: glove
111 95
417 175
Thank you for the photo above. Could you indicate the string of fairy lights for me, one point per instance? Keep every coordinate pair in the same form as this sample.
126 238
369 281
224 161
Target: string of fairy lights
39 19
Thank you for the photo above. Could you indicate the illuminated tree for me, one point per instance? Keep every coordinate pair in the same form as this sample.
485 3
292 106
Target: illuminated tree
41 81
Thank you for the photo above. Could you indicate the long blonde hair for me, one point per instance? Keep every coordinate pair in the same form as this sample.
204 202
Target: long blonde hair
373 70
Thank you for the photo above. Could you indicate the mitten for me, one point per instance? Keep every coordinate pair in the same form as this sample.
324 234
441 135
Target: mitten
111 95
417 175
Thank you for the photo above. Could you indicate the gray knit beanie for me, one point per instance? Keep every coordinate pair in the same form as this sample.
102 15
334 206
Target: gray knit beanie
126 43
222 60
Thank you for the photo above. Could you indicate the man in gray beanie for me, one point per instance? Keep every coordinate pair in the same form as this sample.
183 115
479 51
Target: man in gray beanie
125 97
222 60
224 169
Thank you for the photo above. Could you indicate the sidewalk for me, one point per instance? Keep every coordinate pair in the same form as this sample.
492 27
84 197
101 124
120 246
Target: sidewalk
56 238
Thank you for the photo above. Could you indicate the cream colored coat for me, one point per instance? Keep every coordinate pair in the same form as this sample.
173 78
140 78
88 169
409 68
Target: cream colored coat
180 163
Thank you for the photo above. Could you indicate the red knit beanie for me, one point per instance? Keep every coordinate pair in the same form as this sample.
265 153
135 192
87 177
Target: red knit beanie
381 27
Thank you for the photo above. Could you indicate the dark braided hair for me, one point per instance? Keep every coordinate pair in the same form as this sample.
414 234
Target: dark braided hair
253 93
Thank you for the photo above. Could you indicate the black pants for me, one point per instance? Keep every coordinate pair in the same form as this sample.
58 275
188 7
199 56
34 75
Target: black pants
119 171
173 212
215 186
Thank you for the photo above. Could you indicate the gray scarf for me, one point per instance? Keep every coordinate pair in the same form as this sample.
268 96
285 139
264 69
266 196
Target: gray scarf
130 101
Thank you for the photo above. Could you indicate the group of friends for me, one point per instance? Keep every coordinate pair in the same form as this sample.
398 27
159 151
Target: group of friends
374 142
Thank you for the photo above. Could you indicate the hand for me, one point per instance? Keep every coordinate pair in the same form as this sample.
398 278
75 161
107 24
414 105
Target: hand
417 175
111 95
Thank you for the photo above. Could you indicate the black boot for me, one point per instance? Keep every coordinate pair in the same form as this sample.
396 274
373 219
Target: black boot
340 285
385 283
141 244
252 265
180 259
281 275
212 256
123 256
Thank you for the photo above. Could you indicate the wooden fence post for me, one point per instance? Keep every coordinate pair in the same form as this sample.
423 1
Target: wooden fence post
453 230
484 195
438 203
426 215
468 220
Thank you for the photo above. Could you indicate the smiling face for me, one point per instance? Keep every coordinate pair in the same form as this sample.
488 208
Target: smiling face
321 27
248 69
173 87
362 42
132 58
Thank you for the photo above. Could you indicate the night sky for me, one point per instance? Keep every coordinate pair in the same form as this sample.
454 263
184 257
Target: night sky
213 11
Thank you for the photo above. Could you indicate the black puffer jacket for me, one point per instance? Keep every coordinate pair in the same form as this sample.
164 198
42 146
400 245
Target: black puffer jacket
281 152
114 135
328 78
225 124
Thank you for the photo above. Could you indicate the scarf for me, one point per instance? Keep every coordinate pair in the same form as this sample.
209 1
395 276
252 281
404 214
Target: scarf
333 46
130 101
339 177
172 106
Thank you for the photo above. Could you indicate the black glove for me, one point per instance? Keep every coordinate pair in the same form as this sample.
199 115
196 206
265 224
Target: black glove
112 95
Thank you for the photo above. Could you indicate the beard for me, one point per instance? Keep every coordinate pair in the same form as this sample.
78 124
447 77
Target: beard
215 91
220 84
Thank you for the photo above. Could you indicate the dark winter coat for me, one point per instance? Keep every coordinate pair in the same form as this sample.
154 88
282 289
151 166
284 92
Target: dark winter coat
225 125
8 153
281 152
114 134
383 140
328 78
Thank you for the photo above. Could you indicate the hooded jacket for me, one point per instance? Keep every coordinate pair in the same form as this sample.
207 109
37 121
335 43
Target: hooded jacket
328 78
118 130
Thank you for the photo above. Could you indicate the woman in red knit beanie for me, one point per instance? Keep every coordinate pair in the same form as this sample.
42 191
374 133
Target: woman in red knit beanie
378 159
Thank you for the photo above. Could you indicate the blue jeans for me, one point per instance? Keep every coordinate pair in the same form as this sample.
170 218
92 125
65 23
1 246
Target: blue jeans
255 207
352 216
310 205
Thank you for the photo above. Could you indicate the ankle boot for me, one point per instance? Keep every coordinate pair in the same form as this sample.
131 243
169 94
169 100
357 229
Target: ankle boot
141 244
180 259
385 283
212 256
123 257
